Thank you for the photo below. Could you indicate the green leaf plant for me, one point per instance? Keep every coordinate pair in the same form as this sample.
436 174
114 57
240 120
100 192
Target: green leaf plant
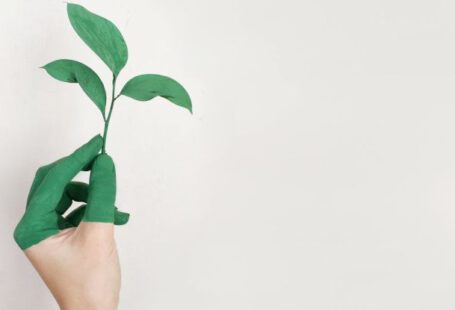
104 38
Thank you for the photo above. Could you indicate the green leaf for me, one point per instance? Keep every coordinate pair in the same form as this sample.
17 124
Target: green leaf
101 35
148 86
72 71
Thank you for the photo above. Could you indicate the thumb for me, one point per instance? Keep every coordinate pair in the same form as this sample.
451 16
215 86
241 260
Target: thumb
101 192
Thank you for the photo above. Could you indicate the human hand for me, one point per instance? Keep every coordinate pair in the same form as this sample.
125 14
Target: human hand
75 255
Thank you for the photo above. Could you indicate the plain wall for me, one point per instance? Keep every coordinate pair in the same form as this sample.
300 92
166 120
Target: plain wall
317 172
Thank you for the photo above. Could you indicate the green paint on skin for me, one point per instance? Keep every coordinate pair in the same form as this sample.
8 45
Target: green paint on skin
53 191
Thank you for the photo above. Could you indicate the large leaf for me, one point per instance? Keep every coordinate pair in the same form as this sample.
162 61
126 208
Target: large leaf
72 71
148 86
101 35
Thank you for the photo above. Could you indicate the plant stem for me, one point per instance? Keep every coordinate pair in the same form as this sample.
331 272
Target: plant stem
111 108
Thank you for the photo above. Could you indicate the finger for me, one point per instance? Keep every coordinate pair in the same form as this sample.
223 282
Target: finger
75 217
121 218
101 193
48 193
42 172
88 167
77 191
74 191
96 225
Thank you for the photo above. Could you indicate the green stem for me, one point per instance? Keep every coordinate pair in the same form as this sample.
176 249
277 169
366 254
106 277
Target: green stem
106 121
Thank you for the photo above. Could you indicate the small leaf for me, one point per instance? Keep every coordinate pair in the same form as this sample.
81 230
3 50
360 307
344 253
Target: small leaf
148 86
72 71
101 35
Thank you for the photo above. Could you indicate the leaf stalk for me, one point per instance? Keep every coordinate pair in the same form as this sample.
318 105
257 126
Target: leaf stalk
111 108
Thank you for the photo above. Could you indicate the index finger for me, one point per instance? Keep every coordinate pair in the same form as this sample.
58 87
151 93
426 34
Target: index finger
51 188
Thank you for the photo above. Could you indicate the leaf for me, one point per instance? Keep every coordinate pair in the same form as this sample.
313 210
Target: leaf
148 86
72 71
101 35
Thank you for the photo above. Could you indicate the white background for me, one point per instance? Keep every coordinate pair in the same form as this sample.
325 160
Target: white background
317 172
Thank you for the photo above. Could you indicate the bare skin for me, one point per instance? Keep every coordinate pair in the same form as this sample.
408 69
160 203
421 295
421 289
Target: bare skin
80 266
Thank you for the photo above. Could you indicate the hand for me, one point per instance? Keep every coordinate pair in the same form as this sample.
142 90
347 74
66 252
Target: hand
75 255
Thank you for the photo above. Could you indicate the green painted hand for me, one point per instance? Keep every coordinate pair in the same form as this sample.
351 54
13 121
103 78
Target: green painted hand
53 192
